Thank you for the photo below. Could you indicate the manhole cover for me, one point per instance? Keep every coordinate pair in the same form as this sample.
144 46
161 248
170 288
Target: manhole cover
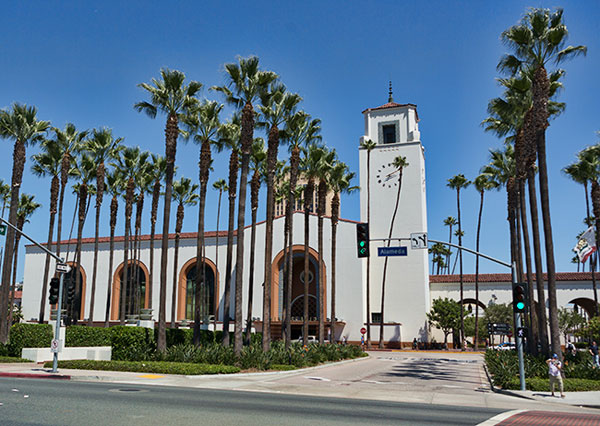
127 390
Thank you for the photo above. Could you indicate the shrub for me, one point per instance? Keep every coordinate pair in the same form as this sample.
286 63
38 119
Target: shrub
148 367
132 343
28 336
3 349
80 335
11 359
282 367
543 384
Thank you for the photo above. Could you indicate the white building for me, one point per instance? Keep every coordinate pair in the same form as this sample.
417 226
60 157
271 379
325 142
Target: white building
408 291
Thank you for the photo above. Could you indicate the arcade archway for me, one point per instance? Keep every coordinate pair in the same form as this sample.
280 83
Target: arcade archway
186 300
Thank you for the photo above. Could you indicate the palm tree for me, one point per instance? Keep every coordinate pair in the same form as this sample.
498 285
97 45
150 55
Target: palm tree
203 124
459 182
398 164
158 168
27 208
325 165
340 179
102 146
230 136
47 163
115 186
175 99
184 194
538 39
277 106
22 125
70 141
221 186
245 84
4 194
481 183
369 145
450 221
131 164
257 166
143 185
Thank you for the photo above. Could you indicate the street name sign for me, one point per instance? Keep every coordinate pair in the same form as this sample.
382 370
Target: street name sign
418 240
392 251
62 267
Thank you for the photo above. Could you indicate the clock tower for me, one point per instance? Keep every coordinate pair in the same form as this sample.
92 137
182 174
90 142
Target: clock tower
394 130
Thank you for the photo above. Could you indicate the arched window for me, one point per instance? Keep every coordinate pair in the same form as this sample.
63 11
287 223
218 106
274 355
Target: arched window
135 289
207 295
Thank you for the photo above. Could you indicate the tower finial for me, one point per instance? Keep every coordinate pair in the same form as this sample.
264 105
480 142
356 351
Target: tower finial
390 98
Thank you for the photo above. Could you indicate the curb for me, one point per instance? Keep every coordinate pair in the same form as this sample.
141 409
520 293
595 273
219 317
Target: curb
35 376
503 391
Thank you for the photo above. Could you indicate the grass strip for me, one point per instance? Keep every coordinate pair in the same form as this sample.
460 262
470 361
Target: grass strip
539 384
158 367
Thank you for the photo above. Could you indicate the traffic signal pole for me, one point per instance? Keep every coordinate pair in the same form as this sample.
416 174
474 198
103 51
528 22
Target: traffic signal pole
60 288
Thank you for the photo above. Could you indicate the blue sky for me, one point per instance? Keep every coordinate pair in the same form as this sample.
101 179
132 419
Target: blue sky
80 62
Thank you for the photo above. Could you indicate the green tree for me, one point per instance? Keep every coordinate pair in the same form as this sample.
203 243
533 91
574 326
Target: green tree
369 145
184 194
445 315
27 207
245 84
175 99
481 183
102 147
221 186
47 163
450 221
569 321
459 182
4 194
203 124
21 124
538 39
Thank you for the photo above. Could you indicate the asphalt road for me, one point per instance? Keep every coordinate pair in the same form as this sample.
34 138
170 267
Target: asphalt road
51 402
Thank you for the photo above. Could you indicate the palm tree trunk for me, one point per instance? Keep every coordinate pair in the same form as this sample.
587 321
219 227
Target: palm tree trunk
19 158
251 279
110 268
386 259
477 272
14 277
308 196
596 207
155 199
174 293
537 254
322 196
217 258
171 132
83 192
54 188
531 329
246 145
289 233
334 221
450 253
233 164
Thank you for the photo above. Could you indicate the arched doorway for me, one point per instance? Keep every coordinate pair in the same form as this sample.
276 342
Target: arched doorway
136 296
585 306
297 296
186 296
75 307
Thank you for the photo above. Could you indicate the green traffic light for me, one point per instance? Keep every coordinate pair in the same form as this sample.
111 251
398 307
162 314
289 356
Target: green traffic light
520 305
362 243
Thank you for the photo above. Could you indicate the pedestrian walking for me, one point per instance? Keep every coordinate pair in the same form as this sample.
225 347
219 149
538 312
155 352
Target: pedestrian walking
554 373
594 352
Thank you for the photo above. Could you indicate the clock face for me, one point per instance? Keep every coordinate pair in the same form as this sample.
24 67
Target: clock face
387 175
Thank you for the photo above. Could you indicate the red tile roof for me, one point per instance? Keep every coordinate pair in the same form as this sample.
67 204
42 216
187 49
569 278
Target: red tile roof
394 105
495 278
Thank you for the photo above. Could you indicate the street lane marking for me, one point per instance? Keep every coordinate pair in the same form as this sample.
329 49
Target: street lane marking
500 417
151 376
322 379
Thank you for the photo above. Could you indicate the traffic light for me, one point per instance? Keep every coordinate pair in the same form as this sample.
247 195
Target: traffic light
520 297
71 293
362 239
54 288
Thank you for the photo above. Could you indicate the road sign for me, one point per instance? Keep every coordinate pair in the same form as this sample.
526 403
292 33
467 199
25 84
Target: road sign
2 229
54 347
418 240
392 251
62 267
499 328
363 330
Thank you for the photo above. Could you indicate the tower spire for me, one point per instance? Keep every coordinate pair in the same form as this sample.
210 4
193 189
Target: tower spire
390 98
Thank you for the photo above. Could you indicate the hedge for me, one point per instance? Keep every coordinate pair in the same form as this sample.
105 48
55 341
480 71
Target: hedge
29 336
81 335
132 343
539 384
158 367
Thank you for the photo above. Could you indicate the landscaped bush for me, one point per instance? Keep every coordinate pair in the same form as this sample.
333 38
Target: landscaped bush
132 343
540 384
81 335
28 336
282 367
147 367
3 349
